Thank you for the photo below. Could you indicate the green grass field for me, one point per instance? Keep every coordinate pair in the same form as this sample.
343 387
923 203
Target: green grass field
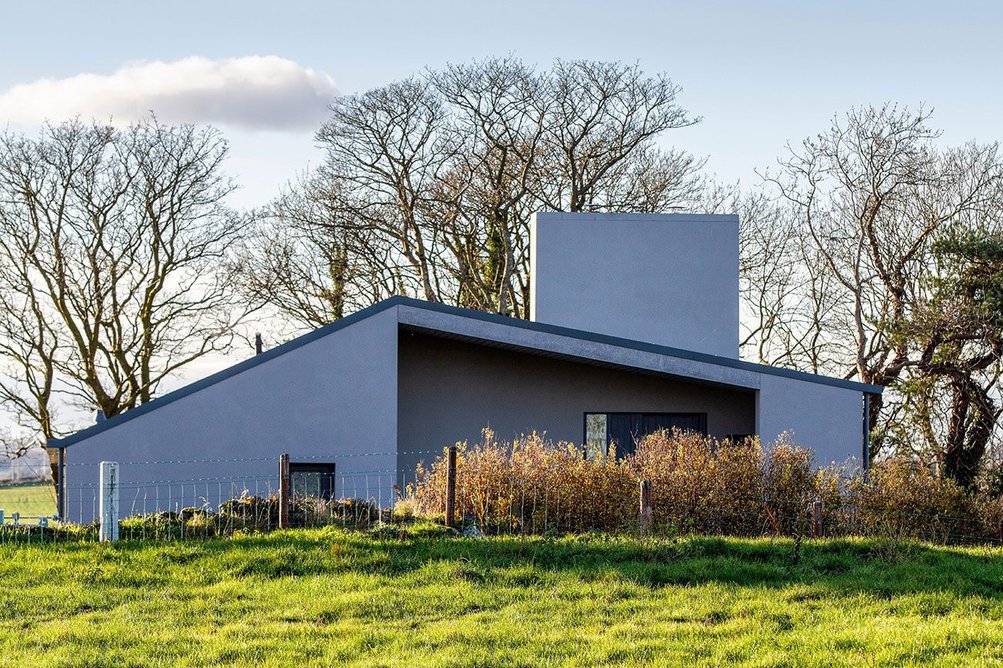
326 597
37 499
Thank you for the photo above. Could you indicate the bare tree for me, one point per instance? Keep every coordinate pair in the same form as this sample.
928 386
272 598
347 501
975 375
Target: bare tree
499 116
869 197
430 182
602 115
111 243
307 264
14 445
385 152
787 300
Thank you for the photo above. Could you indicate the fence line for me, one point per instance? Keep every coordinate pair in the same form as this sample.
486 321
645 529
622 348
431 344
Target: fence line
230 460
221 496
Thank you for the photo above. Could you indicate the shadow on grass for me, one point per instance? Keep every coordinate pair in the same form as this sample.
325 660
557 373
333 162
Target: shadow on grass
880 568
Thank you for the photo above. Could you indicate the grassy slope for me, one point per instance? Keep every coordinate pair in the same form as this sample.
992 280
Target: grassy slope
330 598
38 499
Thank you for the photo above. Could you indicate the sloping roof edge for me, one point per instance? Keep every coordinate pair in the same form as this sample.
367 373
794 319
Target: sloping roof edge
222 375
391 302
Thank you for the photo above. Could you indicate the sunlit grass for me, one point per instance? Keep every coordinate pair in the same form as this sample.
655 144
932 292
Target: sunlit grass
326 597
36 499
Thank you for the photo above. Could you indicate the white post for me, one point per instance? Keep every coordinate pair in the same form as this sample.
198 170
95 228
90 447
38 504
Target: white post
108 501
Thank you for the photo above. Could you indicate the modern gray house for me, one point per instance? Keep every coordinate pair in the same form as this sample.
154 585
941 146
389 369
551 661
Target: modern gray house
633 328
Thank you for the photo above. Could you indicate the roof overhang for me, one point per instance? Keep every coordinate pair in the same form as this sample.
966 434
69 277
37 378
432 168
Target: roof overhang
587 346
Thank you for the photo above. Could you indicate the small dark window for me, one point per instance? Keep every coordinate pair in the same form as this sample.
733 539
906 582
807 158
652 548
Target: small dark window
625 429
311 480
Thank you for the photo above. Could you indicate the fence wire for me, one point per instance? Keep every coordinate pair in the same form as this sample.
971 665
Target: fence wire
223 497
227 497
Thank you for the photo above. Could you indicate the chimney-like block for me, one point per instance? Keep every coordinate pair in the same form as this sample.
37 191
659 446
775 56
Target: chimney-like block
667 279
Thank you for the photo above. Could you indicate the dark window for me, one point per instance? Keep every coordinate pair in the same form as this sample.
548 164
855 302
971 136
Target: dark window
625 429
311 480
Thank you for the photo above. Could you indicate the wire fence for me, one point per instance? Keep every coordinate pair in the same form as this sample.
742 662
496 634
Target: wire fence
681 489
226 497
211 497
27 495
532 509
213 493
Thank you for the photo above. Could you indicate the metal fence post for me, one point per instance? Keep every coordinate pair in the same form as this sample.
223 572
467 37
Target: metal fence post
645 507
108 501
61 485
284 491
451 486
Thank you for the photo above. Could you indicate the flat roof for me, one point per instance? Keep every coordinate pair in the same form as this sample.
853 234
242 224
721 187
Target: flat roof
457 314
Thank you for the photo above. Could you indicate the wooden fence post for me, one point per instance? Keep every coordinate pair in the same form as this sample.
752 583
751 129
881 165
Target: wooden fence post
816 518
451 486
646 513
284 491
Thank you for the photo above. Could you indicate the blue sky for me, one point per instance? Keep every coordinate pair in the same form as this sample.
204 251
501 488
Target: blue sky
761 74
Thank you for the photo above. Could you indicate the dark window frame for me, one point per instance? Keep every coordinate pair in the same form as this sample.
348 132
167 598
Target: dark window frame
701 418
328 471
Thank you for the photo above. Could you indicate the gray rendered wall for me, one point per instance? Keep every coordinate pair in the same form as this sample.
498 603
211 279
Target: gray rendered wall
334 399
827 419
666 279
450 390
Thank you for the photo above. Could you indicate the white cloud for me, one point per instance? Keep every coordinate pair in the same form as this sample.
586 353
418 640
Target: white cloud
253 92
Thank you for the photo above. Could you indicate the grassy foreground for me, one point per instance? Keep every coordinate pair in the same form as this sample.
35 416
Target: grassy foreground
326 597
36 499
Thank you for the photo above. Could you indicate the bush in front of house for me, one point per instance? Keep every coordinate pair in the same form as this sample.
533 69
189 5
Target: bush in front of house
249 514
529 486
698 485
904 498
701 485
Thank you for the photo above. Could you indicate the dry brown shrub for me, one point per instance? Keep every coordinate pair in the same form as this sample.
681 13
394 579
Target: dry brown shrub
700 484
530 486
904 498
789 487
832 486
989 510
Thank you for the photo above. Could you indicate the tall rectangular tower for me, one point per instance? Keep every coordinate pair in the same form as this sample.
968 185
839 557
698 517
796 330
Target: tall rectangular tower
668 279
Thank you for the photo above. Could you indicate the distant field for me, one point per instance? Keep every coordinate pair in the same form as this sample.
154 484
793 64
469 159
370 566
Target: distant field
331 598
36 499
